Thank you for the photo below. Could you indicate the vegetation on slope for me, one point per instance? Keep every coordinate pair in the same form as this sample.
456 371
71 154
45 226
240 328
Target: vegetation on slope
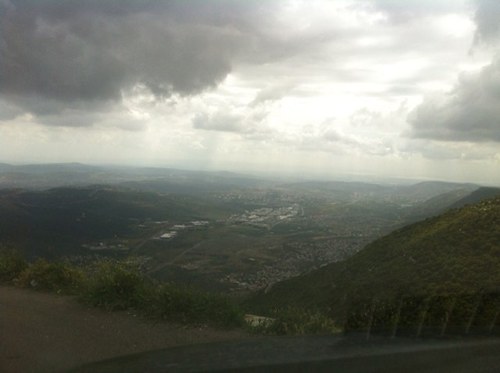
119 285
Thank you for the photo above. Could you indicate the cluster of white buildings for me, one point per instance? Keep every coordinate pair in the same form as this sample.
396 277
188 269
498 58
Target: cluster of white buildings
175 228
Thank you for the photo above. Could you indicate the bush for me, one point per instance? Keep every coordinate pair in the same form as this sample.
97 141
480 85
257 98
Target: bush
119 285
58 277
295 321
114 286
193 307
11 265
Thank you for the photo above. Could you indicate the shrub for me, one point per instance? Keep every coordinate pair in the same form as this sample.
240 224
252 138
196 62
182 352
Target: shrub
193 307
114 286
11 265
58 277
296 321
119 285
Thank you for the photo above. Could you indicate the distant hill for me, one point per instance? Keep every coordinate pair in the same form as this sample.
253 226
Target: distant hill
56 167
156 179
457 252
414 193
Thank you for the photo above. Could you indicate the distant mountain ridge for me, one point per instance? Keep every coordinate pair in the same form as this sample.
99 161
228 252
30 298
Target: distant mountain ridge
417 192
157 179
44 176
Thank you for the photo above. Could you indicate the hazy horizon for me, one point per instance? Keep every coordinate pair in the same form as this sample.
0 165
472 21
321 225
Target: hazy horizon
276 175
314 89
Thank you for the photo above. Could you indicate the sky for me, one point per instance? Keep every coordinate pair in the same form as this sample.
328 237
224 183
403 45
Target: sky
313 88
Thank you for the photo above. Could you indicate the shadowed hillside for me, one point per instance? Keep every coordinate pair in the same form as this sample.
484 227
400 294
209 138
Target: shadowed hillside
58 221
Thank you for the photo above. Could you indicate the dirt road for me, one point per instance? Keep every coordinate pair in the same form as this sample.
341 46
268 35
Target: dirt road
42 332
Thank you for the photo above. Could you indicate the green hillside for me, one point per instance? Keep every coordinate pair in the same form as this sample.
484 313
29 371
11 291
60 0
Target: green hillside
455 253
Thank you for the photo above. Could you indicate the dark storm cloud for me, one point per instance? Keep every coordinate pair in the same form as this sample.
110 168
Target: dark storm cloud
92 50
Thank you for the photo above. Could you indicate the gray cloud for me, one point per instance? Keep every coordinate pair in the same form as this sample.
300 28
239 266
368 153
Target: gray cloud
8 110
487 17
56 55
470 112
92 50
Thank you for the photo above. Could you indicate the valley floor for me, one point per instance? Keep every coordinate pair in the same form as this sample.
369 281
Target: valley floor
43 332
